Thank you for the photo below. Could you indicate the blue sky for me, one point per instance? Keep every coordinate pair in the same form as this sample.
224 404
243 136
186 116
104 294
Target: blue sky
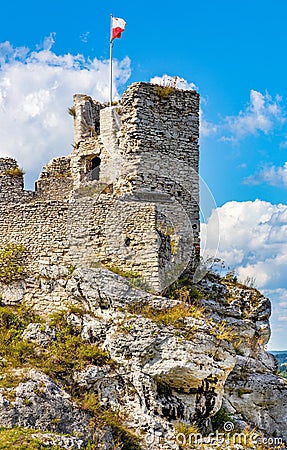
234 52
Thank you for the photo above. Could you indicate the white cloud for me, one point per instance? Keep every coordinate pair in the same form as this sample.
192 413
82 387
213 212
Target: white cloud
253 240
274 176
262 114
36 88
206 128
176 81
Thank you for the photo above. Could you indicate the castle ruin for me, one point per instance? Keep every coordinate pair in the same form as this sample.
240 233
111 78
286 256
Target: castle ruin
126 197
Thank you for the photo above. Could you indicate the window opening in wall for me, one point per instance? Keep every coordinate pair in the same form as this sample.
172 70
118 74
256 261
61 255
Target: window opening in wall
96 168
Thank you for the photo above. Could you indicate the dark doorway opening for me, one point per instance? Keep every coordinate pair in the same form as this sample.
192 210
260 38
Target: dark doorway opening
96 168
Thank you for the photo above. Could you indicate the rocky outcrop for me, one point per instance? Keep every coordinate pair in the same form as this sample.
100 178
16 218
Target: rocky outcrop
256 396
185 380
39 403
172 362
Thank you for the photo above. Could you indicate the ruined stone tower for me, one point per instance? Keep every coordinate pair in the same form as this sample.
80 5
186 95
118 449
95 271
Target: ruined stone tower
127 196
143 156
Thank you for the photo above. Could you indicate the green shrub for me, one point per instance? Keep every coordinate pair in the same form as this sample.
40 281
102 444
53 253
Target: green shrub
12 259
219 419
72 111
164 91
231 276
173 316
15 172
21 439
183 290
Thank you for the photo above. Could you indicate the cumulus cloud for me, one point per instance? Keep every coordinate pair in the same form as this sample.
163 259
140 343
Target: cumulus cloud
36 88
252 239
262 114
176 81
274 176
206 128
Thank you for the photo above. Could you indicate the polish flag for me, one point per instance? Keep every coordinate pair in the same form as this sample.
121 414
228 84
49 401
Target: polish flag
118 26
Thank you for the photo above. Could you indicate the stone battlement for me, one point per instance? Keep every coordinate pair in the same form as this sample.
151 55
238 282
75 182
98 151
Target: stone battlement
128 194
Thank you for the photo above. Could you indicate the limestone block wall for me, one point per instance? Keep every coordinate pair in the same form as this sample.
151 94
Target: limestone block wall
55 180
38 225
141 212
11 185
161 131
86 136
148 147
37 220
86 117
124 236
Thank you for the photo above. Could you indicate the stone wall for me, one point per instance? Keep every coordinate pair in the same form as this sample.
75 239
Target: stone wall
149 152
37 220
56 179
12 182
128 194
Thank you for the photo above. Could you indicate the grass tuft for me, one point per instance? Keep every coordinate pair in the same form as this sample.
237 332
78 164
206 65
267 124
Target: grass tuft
12 262
15 172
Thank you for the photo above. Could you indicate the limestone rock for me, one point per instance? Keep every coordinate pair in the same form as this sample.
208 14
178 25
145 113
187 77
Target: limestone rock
39 403
39 333
105 441
12 293
66 442
54 272
101 288
256 396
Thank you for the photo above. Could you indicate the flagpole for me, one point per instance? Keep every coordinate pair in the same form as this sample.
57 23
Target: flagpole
111 63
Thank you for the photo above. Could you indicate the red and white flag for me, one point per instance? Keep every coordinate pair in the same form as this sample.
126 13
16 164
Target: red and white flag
118 26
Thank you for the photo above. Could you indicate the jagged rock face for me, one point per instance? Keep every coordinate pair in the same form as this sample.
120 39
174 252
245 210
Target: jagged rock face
176 382
255 395
40 403
162 375
185 380
172 378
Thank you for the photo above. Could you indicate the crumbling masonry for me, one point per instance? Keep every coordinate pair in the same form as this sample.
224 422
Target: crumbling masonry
126 197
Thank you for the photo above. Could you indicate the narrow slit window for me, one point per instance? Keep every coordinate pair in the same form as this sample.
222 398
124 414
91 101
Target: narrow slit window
96 162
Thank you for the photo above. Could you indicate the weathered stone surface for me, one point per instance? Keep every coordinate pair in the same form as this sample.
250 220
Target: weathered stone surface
12 293
101 288
41 404
137 212
128 195
67 442
256 396
105 441
39 333
166 372
160 376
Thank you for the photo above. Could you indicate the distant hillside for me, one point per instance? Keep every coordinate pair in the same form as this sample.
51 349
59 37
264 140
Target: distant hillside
282 362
